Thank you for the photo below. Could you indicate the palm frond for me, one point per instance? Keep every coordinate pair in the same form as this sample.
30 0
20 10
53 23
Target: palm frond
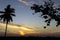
13 14
2 12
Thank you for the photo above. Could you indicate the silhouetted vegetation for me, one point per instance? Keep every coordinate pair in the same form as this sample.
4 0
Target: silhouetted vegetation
49 12
6 16
44 26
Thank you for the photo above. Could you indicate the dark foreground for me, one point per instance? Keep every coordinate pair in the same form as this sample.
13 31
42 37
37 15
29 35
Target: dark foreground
33 38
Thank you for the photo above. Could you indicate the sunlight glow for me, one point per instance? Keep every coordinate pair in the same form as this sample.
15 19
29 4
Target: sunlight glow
21 33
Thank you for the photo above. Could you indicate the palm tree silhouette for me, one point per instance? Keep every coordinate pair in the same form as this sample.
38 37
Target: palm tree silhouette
6 16
49 12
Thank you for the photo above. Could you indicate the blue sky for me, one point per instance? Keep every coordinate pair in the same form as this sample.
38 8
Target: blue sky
22 11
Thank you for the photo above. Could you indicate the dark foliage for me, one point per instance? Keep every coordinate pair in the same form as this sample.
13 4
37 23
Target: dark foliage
49 12
44 26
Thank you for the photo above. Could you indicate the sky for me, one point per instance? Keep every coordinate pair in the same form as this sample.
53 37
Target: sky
24 16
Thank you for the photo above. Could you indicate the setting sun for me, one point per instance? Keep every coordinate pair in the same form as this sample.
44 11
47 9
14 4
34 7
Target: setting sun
22 33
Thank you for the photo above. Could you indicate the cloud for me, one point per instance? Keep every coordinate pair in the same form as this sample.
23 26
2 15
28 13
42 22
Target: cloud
26 3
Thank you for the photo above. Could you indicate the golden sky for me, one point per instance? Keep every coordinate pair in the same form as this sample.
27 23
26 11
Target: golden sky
18 29
27 30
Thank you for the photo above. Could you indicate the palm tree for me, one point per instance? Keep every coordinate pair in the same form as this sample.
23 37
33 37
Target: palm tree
6 16
48 11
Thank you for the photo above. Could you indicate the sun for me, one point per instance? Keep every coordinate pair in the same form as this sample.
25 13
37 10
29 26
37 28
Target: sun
22 33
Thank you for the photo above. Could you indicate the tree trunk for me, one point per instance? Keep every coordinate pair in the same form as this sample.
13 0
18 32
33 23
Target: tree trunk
6 29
